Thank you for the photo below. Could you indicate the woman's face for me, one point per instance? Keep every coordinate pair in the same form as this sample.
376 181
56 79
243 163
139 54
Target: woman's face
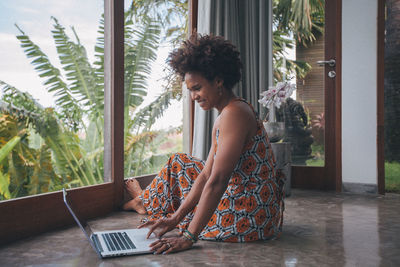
203 91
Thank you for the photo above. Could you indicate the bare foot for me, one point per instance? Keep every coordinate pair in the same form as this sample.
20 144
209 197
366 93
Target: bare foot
133 188
136 205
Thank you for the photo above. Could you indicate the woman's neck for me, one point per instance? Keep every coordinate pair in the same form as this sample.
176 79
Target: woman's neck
226 99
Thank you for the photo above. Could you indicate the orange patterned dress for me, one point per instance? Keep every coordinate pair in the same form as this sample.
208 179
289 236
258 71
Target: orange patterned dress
251 207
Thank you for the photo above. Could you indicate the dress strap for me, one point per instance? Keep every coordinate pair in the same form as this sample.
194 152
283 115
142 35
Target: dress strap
251 106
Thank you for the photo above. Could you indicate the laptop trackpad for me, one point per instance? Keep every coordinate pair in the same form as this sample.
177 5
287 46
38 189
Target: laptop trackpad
138 237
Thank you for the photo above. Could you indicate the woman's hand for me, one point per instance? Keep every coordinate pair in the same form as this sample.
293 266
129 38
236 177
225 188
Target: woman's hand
162 226
170 244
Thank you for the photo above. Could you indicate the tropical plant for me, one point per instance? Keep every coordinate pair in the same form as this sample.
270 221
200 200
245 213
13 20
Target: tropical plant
295 22
23 169
43 149
303 18
319 121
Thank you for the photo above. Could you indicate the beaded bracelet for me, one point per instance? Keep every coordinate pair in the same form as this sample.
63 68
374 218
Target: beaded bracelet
189 236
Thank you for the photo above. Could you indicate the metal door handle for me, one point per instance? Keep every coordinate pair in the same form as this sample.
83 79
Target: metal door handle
331 62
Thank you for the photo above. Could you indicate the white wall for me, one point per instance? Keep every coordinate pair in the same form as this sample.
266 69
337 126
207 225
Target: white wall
359 79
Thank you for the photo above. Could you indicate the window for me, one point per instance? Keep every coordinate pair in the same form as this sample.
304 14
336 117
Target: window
52 99
48 210
296 49
152 98
95 200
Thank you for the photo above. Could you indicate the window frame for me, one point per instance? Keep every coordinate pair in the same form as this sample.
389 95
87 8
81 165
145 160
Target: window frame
32 215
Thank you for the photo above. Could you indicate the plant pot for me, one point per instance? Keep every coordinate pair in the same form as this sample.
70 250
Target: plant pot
275 131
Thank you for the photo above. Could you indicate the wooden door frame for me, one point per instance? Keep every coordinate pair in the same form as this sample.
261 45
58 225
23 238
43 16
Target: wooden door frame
328 177
381 96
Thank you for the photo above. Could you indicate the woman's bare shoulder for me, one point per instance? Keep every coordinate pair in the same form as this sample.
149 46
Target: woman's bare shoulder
239 115
238 110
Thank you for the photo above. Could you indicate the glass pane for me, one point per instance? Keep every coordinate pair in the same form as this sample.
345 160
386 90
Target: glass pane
296 50
153 106
392 98
309 146
51 100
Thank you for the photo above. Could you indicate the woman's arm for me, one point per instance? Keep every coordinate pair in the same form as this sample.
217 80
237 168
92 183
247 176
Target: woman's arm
191 200
235 126
193 197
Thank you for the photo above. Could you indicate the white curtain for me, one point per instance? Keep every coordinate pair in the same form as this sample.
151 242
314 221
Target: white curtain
248 25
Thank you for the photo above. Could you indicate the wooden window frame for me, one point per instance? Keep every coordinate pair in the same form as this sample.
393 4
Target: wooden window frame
32 215
381 97
193 18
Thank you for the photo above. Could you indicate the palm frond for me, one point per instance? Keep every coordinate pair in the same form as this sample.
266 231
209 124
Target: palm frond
79 72
15 99
54 82
140 52
149 114
99 62
133 140
43 178
302 18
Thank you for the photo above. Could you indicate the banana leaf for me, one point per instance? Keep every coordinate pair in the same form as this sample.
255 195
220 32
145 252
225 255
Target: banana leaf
7 148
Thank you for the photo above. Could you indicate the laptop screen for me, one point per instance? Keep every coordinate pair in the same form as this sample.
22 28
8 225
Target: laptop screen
81 222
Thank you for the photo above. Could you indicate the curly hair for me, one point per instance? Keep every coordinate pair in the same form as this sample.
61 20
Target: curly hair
211 56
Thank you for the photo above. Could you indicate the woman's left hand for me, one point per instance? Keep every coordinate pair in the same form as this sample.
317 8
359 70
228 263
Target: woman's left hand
170 244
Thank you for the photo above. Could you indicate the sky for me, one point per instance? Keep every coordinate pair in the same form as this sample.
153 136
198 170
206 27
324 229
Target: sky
34 18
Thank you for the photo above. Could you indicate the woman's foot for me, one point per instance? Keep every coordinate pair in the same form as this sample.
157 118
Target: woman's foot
134 190
136 205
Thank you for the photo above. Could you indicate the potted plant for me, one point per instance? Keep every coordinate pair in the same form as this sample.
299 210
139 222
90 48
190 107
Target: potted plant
272 99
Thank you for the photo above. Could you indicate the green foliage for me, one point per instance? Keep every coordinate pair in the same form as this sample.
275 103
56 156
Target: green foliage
318 154
295 22
4 184
5 178
6 149
303 18
315 162
44 149
392 177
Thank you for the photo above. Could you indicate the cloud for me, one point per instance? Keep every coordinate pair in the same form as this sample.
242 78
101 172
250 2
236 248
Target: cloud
6 38
34 18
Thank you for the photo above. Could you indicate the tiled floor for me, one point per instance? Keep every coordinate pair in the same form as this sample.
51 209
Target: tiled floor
320 229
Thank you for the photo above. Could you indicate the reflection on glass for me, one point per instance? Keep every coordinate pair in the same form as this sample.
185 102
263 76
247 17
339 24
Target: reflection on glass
296 49
310 98
51 100
153 109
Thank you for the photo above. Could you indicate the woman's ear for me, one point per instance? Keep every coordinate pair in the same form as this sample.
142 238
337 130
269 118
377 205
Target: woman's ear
219 82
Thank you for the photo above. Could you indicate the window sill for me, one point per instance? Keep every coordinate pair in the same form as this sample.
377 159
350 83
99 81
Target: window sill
28 216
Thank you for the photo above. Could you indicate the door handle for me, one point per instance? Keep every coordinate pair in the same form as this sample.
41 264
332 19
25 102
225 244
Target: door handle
330 62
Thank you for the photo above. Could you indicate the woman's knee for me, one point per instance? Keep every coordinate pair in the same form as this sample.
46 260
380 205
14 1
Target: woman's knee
176 156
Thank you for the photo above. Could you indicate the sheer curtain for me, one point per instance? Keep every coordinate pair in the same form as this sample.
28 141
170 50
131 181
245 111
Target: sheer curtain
248 25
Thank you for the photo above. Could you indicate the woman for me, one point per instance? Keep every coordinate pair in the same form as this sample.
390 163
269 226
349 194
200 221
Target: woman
235 195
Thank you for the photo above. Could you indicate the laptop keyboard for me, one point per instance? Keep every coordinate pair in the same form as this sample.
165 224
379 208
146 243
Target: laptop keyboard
118 241
96 242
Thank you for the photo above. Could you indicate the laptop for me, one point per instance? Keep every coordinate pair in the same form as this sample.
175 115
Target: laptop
113 243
